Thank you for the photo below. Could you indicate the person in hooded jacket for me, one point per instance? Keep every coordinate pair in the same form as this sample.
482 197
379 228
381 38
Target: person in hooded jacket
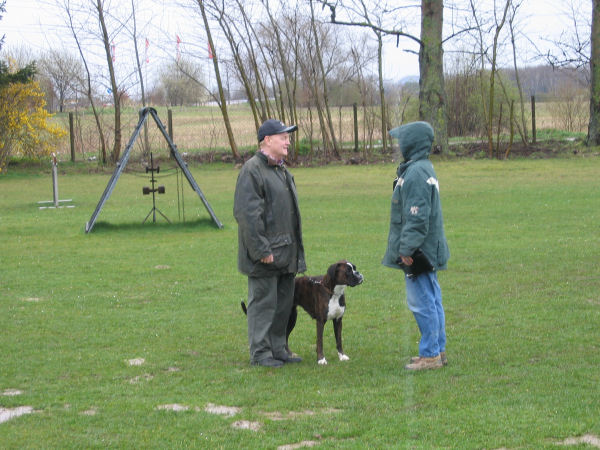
270 248
417 230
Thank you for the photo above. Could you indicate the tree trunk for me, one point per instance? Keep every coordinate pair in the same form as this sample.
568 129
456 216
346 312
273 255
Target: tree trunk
325 92
384 131
223 101
522 127
88 87
116 152
140 75
238 58
432 95
593 137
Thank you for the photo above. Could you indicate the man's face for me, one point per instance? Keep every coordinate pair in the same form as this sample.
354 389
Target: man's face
277 145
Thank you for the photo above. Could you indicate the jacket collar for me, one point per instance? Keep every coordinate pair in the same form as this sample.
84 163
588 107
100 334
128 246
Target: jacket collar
270 161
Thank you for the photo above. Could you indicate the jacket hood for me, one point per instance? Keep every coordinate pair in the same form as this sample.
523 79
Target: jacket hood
415 140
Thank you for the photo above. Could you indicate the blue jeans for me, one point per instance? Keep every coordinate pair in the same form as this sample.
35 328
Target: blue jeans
424 298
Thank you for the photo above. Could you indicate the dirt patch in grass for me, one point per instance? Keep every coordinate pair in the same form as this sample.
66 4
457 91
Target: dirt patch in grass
11 392
136 361
302 444
246 425
588 439
228 411
7 414
145 377
291 415
172 407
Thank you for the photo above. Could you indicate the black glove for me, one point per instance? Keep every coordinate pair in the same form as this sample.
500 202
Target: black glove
420 264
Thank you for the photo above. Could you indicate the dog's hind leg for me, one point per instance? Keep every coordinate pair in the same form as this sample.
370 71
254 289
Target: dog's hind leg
290 326
337 329
320 356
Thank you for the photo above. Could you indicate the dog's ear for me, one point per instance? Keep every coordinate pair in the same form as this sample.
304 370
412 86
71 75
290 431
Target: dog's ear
331 271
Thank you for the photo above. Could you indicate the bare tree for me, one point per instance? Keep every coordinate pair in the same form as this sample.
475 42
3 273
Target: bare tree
183 82
488 90
593 137
116 93
2 9
63 70
134 35
432 99
493 62
222 101
240 41
579 47
432 94
323 79
88 88
522 125
286 37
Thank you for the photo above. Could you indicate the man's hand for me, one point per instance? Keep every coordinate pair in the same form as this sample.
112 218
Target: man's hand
406 260
268 259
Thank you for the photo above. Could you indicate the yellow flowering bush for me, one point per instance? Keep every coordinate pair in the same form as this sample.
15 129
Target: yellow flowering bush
24 127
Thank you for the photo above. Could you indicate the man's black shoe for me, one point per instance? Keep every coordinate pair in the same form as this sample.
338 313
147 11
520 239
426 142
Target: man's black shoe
268 362
289 359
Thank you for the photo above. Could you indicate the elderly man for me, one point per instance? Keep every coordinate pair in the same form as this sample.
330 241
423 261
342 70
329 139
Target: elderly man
270 249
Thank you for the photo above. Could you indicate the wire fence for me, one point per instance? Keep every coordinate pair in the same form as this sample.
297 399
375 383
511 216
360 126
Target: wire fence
200 130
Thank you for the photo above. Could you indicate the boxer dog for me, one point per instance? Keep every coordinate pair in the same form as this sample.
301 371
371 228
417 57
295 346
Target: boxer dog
322 297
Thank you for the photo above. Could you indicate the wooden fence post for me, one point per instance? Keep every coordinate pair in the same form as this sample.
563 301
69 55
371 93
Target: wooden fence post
533 118
72 136
170 123
355 111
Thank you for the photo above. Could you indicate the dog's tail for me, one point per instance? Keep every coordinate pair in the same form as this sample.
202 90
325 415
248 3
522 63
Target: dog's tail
244 308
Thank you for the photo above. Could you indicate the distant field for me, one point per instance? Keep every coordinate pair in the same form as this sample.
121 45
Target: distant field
201 128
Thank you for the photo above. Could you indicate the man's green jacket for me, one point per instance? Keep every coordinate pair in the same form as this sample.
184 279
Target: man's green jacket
268 217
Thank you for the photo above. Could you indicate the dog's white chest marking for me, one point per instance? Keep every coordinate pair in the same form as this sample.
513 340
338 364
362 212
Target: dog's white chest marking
335 310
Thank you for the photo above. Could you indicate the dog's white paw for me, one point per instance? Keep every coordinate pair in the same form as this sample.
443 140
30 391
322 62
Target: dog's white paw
343 357
322 362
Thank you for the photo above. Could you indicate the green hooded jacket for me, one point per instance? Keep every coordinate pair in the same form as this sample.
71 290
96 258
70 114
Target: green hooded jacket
266 210
416 213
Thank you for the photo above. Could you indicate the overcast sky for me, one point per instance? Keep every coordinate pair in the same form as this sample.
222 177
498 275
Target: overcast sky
38 24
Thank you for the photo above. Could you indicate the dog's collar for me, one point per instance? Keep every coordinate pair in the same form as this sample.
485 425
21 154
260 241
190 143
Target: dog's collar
329 291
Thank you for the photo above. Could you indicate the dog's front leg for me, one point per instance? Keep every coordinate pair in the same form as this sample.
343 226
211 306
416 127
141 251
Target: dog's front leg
337 329
320 356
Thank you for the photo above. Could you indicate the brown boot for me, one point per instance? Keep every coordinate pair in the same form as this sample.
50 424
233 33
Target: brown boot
414 359
443 358
424 363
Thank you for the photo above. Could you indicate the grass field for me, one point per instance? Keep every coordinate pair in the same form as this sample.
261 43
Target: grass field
128 337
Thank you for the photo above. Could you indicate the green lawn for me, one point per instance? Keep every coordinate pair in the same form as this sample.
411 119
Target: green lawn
521 296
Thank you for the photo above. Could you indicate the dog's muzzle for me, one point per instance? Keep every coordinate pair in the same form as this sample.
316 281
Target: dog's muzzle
357 278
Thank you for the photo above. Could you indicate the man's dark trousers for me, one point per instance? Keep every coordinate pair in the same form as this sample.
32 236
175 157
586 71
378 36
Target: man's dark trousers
269 305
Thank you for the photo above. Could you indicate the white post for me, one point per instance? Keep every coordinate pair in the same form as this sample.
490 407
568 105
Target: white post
55 179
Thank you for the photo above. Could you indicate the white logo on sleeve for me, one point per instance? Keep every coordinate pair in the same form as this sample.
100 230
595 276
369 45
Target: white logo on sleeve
433 182
414 210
